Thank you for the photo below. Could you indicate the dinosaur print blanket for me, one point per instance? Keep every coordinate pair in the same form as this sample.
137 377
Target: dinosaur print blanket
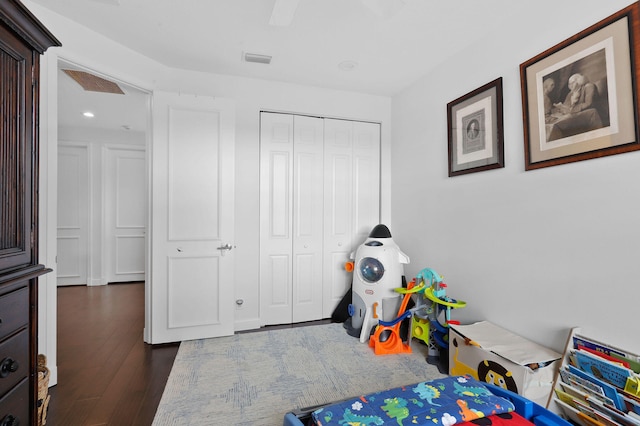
442 402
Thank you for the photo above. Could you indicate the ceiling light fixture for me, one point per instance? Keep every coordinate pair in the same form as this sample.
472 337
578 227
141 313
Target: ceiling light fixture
88 114
259 59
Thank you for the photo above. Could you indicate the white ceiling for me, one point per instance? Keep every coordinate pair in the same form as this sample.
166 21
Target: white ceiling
112 112
391 42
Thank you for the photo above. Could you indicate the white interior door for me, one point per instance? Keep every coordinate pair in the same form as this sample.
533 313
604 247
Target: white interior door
351 199
73 215
276 217
192 218
366 176
308 148
125 213
291 158
338 208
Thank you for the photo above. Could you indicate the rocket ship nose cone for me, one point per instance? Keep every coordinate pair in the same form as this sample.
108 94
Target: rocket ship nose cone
380 231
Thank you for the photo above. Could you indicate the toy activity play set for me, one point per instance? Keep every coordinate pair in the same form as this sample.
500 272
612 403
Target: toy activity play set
495 377
382 301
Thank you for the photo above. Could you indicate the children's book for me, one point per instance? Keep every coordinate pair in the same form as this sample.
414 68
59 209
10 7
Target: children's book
608 371
621 361
632 405
572 413
596 346
581 383
609 390
579 393
566 397
632 359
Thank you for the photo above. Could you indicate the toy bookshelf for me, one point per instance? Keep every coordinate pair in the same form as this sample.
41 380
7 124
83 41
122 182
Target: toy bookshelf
597 384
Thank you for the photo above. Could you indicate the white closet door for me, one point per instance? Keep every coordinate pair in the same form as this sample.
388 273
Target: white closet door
352 199
338 208
319 186
291 218
366 175
276 223
307 218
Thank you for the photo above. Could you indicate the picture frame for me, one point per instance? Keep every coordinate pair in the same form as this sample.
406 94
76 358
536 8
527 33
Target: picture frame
580 97
475 130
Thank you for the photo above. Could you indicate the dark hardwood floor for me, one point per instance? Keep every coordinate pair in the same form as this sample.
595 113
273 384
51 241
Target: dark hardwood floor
107 375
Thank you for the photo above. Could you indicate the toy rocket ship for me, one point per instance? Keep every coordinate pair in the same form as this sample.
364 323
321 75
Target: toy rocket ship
378 270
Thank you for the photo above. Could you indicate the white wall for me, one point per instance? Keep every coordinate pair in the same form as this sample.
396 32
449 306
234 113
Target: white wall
86 48
535 252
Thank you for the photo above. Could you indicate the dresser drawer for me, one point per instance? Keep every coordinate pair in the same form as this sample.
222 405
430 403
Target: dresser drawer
15 405
14 311
14 354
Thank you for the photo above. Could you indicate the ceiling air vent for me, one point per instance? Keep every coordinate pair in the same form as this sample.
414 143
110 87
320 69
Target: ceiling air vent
259 59
93 83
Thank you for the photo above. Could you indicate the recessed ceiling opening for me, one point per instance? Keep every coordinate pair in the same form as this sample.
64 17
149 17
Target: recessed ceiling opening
93 83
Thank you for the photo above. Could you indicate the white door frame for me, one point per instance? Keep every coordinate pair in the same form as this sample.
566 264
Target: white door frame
48 203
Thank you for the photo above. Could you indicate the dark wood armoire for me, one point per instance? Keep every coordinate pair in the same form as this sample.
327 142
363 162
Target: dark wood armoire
22 40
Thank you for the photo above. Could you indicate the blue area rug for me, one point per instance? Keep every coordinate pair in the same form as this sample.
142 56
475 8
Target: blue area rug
255 378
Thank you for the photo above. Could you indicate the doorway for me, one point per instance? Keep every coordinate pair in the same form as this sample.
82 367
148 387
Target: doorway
102 178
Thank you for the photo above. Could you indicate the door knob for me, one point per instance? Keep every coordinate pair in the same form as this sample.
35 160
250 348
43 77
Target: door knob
225 248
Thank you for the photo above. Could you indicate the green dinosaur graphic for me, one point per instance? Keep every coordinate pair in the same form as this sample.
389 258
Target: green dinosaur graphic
396 408
469 390
351 419
427 392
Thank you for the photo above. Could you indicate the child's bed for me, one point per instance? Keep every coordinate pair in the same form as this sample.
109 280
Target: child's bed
442 402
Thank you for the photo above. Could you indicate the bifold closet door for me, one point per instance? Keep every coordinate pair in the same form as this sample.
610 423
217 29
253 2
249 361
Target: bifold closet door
351 199
291 188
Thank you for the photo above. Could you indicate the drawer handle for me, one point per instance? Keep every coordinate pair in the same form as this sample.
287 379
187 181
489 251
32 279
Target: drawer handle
8 366
9 420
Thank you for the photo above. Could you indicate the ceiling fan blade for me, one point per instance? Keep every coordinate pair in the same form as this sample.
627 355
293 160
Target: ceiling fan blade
283 12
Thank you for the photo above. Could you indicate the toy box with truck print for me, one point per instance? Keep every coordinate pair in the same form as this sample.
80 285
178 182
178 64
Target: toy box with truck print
494 355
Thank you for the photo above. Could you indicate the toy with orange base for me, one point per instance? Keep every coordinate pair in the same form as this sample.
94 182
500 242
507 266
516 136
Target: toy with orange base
428 326
386 338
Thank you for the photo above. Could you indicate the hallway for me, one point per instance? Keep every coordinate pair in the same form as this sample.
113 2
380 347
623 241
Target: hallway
107 375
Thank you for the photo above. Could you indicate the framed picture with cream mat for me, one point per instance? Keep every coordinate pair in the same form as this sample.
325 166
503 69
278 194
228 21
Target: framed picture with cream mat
580 97
475 128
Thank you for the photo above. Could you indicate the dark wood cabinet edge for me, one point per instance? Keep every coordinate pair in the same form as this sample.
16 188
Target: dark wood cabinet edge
22 274
17 17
